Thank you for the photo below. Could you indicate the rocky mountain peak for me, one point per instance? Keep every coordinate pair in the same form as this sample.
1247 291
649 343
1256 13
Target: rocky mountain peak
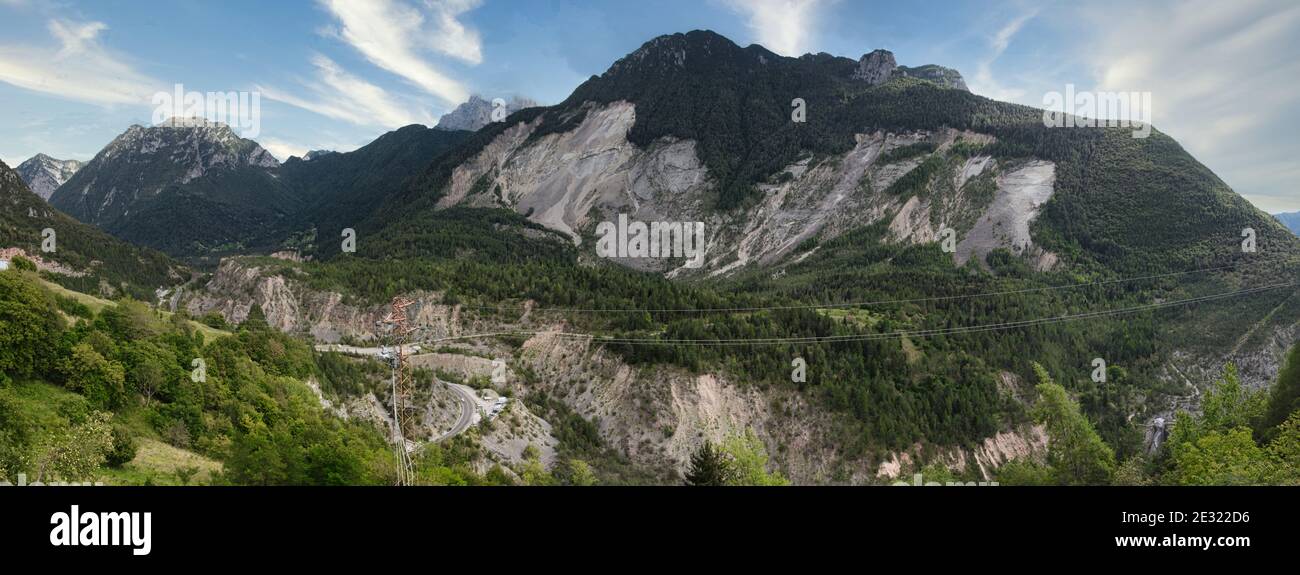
477 112
876 67
313 154
144 161
946 77
194 142
879 66
44 174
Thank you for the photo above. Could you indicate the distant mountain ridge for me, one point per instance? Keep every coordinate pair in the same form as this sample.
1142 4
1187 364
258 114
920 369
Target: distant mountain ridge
197 190
313 154
476 112
1291 221
44 174
187 190
335 190
144 161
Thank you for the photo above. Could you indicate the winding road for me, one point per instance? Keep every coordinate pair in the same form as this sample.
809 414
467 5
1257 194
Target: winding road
468 414
465 396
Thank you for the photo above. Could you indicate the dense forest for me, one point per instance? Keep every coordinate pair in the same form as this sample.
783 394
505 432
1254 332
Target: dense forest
897 390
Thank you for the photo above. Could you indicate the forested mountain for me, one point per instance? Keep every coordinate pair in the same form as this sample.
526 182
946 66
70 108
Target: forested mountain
1124 202
200 191
826 186
697 128
336 189
185 189
84 257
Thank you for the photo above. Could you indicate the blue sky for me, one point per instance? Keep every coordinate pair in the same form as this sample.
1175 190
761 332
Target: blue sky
336 74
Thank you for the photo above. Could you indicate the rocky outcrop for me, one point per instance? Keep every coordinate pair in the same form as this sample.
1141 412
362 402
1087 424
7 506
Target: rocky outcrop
876 67
946 77
42 264
879 66
1027 442
44 174
291 307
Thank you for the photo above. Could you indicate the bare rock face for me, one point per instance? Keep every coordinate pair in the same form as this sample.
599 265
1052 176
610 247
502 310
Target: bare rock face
946 77
44 174
142 162
477 112
876 68
879 67
571 181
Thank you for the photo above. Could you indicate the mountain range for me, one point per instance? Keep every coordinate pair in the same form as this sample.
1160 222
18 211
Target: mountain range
198 190
1291 220
492 229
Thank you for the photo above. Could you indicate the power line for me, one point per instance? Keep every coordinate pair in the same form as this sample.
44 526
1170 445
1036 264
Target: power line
859 303
877 336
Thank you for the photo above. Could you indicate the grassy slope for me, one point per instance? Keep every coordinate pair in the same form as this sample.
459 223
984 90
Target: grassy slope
155 462
97 304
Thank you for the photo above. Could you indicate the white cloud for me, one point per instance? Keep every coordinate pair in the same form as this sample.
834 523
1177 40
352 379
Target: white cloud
281 149
782 26
337 94
984 83
1222 77
80 68
451 37
393 36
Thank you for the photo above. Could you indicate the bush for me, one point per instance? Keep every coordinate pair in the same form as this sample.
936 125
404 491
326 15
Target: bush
72 307
214 320
23 264
124 447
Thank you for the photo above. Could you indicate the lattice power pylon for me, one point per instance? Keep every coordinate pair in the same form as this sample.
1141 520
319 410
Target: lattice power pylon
405 414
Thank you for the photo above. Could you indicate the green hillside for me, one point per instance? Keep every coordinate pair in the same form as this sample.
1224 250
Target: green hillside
103 263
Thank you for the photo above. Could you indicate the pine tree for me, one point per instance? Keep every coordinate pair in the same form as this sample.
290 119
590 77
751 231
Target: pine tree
1285 398
708 467
1076 454
256 319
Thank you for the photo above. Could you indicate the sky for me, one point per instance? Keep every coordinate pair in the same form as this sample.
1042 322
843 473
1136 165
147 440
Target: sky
335 74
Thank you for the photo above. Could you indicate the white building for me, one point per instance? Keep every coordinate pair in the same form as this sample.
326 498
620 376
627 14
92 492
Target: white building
4 264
